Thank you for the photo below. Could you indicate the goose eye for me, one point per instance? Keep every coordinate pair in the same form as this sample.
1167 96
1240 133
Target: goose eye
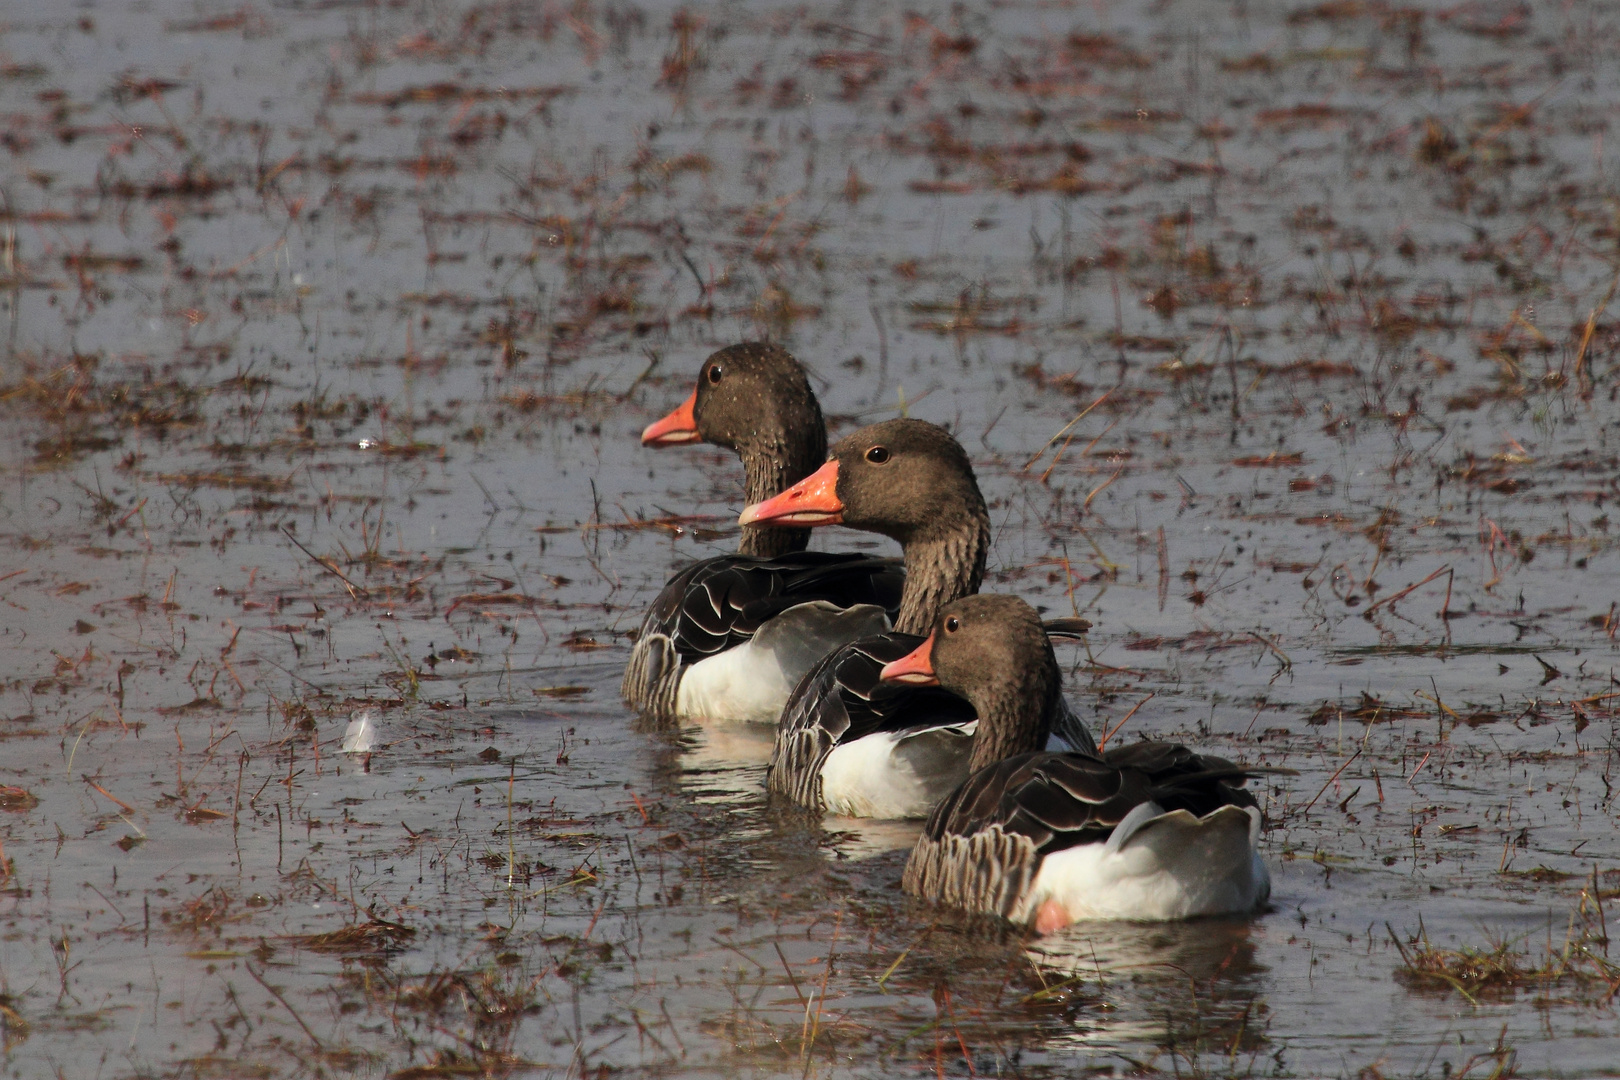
878 455
716 373
952 625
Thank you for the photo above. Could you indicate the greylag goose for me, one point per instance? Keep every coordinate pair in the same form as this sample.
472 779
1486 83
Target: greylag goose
729 637
1149 832
845 742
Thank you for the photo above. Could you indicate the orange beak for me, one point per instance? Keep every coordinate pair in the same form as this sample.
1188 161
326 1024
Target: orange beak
812 501
676 428
916 668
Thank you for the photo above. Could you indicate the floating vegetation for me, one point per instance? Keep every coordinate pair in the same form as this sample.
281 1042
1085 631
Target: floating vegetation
1576 971
375 936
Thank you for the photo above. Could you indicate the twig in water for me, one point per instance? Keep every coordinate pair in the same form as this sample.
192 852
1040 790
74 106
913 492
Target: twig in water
511 851
355 591
1419 768
903 954
128 808
1098 490
1256 716
1164 569
277 995
983 435
961 1043
1065 429
1392 597
1597 899
814 1025
1332 778
1493 536
1111 732
1581 375
1059 455
1287 664
652 357
785 967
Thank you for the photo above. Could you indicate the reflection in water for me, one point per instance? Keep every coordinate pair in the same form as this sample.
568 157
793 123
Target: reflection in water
1199 950
1193 988
724 764
864 838
714 747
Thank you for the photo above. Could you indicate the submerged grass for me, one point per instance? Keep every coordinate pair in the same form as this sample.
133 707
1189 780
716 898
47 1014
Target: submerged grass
1577 971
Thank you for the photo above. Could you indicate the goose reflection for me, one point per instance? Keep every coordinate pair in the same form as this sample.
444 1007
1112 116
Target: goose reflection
1184 987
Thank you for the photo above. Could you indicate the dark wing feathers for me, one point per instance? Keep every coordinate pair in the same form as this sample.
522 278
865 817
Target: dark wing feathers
983 844
1183 780
1059 800
842 699
718 603
873 705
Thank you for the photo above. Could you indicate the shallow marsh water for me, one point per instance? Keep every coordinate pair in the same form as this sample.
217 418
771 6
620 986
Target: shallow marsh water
330 327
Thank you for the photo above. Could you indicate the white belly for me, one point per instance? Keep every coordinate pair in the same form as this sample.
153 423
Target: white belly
896 776
1168 866
753 681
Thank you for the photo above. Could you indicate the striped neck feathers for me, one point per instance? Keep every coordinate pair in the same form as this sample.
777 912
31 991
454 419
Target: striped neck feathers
1017 714
941 568
770 467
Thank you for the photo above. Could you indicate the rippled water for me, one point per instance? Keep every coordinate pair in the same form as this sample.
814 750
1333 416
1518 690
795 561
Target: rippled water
330 327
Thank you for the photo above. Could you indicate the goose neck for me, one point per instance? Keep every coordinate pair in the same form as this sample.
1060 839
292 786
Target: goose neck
770 469
1018 719
939 570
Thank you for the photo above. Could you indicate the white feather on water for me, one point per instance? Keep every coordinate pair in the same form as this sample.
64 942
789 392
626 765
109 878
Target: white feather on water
361 734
